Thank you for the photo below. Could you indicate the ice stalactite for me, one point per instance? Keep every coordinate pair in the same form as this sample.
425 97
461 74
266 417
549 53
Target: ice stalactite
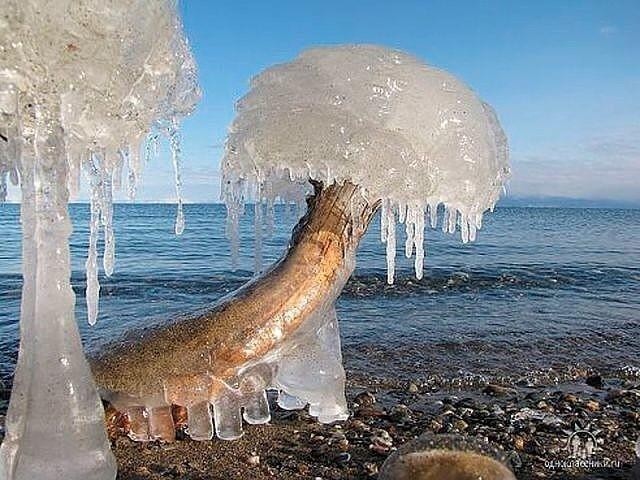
233 196
52 373
82 84
257 230
414 226
106 216
134 167
92 293
388 229
173 134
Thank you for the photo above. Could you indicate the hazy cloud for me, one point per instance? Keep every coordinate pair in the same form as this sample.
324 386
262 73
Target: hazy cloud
607 30
606 167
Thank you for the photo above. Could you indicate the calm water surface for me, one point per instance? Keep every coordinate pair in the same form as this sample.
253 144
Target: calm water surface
540 292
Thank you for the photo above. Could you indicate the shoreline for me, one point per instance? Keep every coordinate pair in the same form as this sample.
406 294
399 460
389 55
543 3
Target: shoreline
530 424
528 417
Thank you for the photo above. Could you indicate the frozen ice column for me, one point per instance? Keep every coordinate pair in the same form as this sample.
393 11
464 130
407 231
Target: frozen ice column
81 85
55 420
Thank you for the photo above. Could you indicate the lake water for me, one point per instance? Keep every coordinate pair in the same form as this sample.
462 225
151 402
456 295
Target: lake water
542 293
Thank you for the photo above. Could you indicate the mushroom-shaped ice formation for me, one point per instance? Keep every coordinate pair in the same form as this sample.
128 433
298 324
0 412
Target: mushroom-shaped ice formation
82 82
407 134
363 126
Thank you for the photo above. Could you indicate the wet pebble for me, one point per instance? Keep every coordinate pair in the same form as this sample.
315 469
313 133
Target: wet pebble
460 425
465 411
592 405
466 403
436 426
359 425
343 458
364 399
371 469
400 413
518 442
339 439
497 410
595 381
498 390
381 442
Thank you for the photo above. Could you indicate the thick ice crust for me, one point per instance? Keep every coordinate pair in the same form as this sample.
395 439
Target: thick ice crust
407 133
306 369
113 74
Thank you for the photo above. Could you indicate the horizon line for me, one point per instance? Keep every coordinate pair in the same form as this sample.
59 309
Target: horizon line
506 202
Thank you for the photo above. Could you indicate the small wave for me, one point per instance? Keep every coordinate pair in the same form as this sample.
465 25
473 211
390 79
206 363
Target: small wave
373 282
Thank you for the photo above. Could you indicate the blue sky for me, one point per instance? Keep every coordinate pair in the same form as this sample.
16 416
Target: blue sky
564 77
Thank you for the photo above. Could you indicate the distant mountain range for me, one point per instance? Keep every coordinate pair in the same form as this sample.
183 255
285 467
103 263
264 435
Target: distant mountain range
565 202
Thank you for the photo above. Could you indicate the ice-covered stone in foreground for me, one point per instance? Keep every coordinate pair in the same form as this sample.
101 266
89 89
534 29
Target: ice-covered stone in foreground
406 133
82 82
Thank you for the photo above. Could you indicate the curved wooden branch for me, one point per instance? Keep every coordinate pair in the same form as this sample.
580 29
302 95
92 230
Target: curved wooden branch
206 358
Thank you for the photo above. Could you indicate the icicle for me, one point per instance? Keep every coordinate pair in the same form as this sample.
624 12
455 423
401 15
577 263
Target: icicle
391 245
176 153
288 211
410 227
419 241
270 213
464 227
402 212
73 178
10 141
233 196
106 211
433 215
472 231
133 168
92 293
257 225
383 219
301 206
3 187
445 219
116 176
52 378
151 147
451 220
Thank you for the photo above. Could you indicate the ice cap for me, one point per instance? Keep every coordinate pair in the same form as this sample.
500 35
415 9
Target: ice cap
408 134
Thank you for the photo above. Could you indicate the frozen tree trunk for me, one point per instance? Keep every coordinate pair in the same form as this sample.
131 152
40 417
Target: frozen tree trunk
278 331
54 425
